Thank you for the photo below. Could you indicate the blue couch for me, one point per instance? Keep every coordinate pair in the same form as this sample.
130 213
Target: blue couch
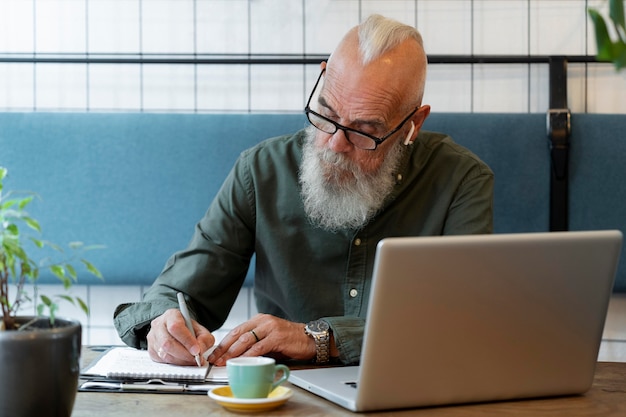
138 183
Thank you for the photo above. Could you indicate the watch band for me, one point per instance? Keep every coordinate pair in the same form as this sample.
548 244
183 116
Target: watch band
322 348
319 330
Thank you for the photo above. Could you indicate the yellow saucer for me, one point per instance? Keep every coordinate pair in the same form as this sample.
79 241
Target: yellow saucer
224 397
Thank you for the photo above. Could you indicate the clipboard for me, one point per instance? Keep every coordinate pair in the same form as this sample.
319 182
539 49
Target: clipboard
153 386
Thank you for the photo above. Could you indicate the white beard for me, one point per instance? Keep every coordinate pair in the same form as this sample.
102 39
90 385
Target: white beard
336 193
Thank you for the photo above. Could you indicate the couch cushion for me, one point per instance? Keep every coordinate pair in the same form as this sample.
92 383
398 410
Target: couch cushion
515 146
136 183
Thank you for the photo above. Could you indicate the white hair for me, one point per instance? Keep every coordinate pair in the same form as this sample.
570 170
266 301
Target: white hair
378 34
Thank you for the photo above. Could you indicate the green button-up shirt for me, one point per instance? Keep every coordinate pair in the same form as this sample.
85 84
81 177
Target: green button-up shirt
303 272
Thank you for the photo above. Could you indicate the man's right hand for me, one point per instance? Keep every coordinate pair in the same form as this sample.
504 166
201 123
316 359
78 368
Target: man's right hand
170 341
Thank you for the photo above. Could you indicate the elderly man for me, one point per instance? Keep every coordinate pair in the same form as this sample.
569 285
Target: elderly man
312 206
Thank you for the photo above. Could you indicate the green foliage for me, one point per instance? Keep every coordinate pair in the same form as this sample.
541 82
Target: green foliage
609 49
18 268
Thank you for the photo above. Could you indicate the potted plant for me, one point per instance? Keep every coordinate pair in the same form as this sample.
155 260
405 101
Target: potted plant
609 49
39 355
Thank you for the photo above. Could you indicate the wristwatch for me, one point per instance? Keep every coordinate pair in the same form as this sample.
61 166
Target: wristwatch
319 330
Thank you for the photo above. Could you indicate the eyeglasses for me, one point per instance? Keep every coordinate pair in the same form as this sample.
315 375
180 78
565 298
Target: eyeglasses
359 139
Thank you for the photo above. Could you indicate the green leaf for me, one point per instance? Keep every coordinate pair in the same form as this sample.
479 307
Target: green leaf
14 250
83 305
13 229
619 54
32 223
603 40
24 202
59 271
7 204
76 245
93 247
70 270
54 246
616 13
52 307
37 242
52 312
91 268
3 173
67 298
46 300
26 269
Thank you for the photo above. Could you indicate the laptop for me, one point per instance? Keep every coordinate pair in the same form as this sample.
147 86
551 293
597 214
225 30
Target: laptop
480 318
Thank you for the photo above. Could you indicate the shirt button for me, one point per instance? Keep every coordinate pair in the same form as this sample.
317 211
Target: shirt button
357 242
353 292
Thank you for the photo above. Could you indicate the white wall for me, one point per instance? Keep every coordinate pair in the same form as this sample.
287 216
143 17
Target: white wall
481 27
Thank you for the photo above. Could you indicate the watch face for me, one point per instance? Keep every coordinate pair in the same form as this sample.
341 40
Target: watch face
318 326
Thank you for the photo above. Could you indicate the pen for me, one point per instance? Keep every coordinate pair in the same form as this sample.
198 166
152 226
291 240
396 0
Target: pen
185 312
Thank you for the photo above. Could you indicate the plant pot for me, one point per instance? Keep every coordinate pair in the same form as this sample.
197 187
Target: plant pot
39 368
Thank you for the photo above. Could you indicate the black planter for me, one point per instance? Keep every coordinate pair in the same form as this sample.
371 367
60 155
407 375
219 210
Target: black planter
39 369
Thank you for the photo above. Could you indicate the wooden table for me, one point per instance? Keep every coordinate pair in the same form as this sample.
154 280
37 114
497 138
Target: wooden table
607 397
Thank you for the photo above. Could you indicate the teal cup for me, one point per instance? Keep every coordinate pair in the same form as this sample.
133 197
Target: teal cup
254 377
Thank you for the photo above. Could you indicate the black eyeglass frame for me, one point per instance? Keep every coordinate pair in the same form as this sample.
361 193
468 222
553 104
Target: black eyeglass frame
377 141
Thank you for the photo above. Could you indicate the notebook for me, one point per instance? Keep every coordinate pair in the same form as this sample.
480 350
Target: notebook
130 363
462 319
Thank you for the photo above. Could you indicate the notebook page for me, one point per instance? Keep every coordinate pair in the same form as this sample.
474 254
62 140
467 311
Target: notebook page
130 363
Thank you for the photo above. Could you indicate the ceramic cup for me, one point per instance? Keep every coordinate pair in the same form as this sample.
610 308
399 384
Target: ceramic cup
254 377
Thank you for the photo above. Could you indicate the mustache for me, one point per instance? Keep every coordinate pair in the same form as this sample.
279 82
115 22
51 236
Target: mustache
333 158
326 155
337 164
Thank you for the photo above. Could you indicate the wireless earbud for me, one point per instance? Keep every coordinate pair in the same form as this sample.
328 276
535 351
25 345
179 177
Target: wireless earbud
407 141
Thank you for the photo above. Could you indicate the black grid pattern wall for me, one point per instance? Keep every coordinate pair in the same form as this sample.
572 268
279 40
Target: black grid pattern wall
263 55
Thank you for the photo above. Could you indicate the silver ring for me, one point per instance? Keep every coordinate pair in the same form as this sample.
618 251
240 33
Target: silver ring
255 336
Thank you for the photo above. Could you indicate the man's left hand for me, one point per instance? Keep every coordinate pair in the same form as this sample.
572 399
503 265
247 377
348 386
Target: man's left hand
265 335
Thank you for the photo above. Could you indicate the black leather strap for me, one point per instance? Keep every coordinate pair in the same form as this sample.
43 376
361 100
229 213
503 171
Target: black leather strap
559 127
